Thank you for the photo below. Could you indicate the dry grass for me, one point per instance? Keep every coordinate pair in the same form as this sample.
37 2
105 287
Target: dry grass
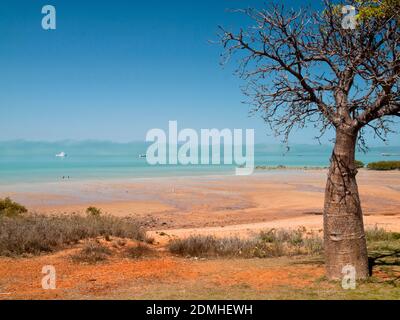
272 243
278 243
35 234
380 234
93 211
139 251
92 253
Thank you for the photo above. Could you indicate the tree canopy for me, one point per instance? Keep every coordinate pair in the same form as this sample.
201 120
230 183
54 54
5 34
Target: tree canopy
303 67
383 9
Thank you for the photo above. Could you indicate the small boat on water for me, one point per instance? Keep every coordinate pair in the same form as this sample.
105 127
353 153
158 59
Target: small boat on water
142 156
61 155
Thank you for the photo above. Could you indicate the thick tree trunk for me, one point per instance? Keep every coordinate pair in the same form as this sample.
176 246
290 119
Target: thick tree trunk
344 236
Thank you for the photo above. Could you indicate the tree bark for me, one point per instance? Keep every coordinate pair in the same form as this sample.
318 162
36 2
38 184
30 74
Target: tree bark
344 236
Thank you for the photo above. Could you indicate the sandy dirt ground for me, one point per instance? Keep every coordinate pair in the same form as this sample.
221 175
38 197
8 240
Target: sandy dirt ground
164 276
180 207
161 276
284 199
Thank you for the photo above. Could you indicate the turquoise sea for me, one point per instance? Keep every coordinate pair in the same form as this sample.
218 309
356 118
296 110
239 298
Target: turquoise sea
25 162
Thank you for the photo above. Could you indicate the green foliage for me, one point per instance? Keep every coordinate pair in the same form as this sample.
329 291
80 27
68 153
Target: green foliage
377 9
359 164
93 212
9 208
384 165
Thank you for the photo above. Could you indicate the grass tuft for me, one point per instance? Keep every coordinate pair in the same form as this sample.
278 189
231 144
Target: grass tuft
139 251
380 234
92 253
93 212
271 243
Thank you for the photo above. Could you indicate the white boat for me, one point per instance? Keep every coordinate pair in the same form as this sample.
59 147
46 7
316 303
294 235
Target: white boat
61 155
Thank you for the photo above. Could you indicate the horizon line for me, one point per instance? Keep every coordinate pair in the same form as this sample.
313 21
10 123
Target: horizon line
81 141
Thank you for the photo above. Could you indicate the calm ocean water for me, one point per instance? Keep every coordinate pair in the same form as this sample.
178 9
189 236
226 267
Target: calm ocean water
36 162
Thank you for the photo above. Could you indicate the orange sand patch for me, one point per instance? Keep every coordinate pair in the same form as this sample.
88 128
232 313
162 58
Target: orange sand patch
21 278
298 277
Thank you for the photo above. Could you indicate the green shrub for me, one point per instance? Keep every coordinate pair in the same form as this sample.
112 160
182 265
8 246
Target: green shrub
384 165
93 211
359 164
9 208
34 234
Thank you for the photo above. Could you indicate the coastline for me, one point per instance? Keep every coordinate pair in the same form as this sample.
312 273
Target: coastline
216 172
276 197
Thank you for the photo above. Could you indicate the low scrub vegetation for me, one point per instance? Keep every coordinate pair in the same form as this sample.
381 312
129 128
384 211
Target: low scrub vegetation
272 243
383 248
93 211
276 243
359 164
139 251
384 165
9 208
35 234
93 252
379 234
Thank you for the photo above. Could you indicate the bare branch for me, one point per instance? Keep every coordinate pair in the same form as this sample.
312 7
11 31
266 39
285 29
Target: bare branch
303 68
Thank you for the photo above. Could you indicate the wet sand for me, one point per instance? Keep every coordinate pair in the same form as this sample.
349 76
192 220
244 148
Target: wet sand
216 204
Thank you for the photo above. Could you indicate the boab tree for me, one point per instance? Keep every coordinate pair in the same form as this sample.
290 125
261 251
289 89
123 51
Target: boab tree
305 68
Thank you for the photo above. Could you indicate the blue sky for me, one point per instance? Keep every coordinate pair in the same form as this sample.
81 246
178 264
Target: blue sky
115 69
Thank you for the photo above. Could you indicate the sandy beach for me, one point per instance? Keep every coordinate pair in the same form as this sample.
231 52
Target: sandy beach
216 204
179 207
